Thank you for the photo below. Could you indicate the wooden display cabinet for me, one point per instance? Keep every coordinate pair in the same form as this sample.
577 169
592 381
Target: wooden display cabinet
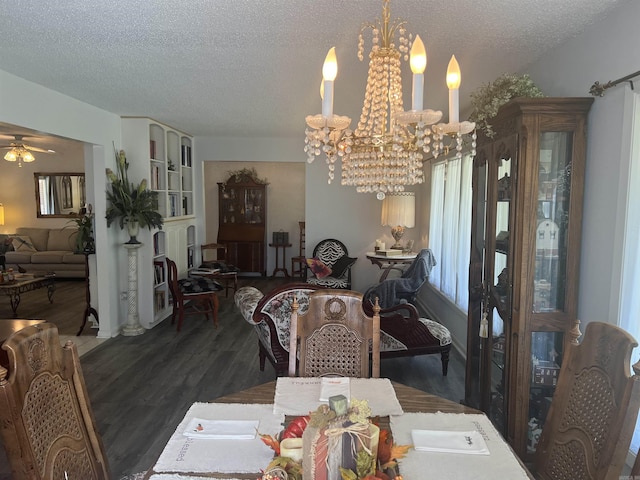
528 186
242 201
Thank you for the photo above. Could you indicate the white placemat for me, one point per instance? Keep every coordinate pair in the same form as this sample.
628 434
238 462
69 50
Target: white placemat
500 463
195 455
300 395
176 476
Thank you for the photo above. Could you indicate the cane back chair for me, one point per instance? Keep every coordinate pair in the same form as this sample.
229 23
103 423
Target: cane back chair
594 409
335 336
47 424
332 255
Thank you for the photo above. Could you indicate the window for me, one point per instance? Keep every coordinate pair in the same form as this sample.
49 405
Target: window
629 301
450 227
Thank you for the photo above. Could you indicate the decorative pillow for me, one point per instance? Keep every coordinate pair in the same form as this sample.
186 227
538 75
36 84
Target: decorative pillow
342 264
318 268
22 243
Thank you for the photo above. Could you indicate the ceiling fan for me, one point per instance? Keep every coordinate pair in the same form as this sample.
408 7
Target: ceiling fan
20 152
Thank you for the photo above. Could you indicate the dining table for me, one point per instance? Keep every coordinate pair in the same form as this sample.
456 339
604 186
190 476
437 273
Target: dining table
411 400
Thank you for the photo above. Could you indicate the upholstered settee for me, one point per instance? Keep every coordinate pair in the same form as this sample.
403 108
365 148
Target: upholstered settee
403 333
44 250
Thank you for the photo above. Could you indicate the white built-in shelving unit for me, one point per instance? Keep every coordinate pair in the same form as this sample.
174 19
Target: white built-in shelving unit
164 156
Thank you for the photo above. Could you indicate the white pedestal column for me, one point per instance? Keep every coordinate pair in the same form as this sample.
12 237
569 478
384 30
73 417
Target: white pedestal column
133 326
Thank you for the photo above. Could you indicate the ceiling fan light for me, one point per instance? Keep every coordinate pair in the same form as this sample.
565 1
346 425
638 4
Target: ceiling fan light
28 157
10 156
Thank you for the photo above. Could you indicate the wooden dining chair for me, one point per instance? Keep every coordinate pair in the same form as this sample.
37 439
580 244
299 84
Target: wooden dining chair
192 295
335 336
47 425
594 409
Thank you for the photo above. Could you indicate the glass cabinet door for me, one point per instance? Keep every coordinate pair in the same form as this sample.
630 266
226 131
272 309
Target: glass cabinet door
554 190
500 298
476 345
550 277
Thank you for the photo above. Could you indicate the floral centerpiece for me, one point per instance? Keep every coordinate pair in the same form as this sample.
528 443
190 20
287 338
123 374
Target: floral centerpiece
347 447
487 99
134 206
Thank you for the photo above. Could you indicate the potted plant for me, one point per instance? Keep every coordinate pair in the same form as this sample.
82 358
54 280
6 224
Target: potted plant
487 99
85 243
133 206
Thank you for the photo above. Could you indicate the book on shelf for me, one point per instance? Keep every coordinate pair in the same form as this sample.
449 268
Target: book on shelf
186 156
173 204
158 272
155 177
160 300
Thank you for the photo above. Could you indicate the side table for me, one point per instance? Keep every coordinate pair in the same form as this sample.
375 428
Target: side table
386 264
89 310
283 268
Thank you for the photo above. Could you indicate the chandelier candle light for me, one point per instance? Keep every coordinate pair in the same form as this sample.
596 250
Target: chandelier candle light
386 150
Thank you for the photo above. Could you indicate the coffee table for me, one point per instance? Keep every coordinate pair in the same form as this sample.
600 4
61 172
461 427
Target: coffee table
26 282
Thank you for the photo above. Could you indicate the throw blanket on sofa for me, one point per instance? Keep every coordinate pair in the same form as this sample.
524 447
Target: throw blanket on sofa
394 290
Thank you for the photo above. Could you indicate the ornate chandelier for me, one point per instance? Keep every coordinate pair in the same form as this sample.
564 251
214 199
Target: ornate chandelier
386 151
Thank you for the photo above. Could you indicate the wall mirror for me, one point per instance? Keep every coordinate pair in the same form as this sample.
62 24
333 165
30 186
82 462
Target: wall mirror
60 194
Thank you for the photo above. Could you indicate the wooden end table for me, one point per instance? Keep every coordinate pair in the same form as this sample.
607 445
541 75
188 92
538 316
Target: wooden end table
395 262
283 268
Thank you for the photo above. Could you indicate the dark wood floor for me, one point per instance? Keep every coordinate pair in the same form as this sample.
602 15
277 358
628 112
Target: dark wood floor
141 387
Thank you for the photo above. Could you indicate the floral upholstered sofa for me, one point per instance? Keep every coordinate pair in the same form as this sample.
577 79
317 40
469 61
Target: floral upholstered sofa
402 332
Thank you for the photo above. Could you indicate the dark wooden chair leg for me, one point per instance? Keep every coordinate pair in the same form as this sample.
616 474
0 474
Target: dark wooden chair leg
215 304
444 357
262 355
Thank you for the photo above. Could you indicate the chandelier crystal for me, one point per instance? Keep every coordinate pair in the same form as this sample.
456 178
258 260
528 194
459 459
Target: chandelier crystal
386 151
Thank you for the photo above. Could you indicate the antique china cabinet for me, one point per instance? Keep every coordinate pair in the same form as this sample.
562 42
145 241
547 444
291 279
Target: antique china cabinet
242 201
528 185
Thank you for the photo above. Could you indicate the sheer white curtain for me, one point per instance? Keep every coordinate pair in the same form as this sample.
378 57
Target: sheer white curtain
438 176
464 231
450 227
449 258
629 317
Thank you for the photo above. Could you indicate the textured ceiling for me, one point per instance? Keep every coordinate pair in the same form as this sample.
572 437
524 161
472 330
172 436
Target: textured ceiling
253 67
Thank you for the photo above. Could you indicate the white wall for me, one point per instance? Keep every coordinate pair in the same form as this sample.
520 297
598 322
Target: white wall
606 51
29 105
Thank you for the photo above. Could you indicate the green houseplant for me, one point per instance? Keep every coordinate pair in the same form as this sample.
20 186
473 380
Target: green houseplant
131 205
85 243
487 99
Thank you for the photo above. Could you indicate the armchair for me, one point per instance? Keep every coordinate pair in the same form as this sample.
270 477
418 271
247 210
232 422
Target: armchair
404 289
331 265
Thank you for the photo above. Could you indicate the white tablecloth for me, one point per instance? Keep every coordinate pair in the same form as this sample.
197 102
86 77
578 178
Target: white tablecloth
299 396
195 455
501 463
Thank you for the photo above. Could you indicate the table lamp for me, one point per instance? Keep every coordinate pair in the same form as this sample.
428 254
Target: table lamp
399 212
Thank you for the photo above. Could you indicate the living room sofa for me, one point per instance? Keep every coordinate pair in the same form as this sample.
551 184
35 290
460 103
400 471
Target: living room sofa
41 250
402 332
